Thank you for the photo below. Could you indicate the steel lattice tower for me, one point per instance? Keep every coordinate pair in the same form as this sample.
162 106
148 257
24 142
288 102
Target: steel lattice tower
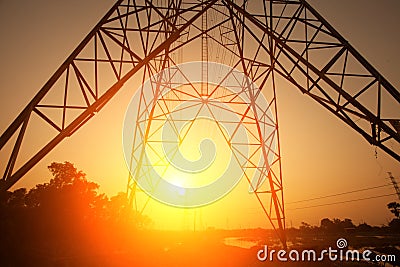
263 39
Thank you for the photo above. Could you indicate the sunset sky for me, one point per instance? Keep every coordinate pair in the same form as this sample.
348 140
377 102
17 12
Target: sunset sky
320 155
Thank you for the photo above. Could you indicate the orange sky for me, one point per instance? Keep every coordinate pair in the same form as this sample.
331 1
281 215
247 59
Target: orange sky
320 155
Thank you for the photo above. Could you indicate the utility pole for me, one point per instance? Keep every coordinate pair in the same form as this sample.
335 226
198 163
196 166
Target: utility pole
395 185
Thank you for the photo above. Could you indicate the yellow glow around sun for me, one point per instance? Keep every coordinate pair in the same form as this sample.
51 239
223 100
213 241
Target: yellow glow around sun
193 141
191 136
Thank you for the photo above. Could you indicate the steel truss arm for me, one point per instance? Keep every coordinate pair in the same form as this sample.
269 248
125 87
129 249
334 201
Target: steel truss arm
312 55
110 45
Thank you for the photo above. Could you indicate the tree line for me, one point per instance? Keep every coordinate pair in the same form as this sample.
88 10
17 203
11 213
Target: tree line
66 216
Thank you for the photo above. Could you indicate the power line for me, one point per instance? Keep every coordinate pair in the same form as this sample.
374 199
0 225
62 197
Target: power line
342 202
340 194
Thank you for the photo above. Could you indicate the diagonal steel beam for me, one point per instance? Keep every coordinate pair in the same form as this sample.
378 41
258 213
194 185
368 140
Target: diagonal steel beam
290 52
5 184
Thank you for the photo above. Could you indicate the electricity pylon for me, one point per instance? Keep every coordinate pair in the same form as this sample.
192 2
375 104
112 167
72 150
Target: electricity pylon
262 39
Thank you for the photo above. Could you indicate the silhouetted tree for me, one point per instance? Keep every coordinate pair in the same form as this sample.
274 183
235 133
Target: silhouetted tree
394 208
364 227
62 217
68 188
336 225
327 225
304 226
347 224
395 225
118 206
